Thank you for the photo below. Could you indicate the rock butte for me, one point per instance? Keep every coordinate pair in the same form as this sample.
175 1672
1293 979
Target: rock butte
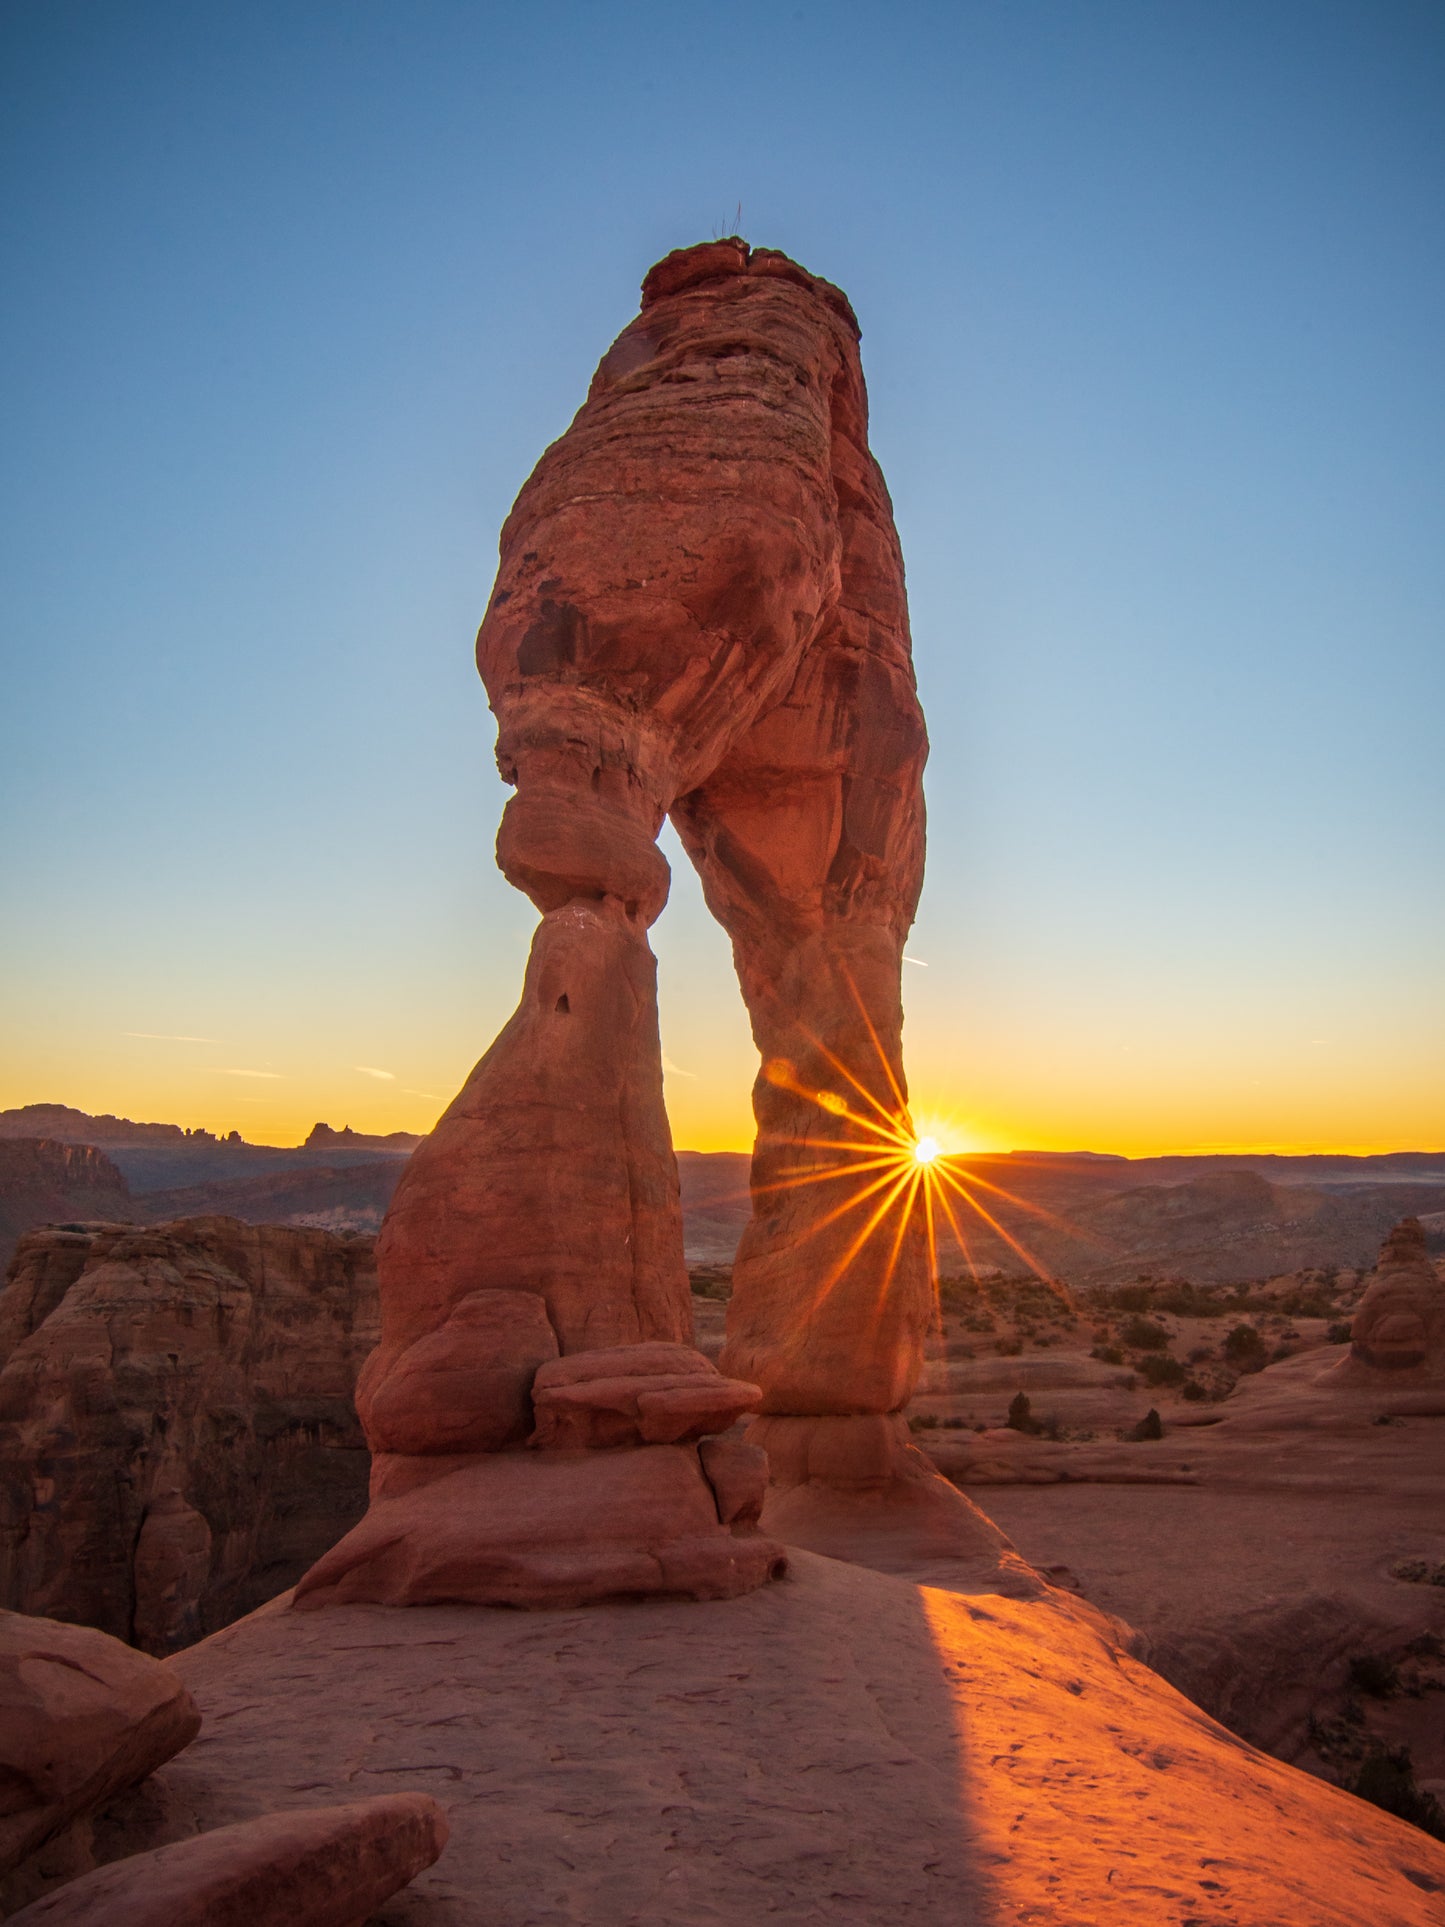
699 613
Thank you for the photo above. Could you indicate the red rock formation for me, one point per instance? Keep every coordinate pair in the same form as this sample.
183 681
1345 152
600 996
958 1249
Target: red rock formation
81 1716
699 611
307 1867
177 1435
47 1182
1399 1324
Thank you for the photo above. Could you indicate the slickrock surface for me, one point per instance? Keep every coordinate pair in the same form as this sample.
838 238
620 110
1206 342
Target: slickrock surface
46 1182
840 1747
81 1716
314 1867
177 1435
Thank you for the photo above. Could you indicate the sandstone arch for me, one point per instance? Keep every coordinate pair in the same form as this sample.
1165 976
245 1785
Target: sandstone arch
699 611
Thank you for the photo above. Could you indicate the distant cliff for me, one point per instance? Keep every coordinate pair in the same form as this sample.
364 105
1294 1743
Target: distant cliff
177 1435
42 1182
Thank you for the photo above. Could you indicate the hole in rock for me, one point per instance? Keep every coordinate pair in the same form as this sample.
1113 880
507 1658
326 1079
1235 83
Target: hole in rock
562 1004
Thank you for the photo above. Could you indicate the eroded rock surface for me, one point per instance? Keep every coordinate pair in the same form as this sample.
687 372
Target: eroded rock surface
842 1746
177 1435
1399 1325
81 1716
307 1867
44 1181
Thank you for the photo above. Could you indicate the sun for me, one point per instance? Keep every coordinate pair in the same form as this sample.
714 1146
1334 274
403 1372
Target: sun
926 1149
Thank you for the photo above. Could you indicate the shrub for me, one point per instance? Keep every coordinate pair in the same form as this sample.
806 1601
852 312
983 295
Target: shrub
1161 1370
1151 1426
1193 1390
1244 1348
1374 1674
1020 1415
1339 1332
1107 1354
1143 1335
1387 1780
923 1422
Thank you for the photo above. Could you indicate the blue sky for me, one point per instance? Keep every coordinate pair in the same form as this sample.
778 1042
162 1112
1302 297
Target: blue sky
1152 300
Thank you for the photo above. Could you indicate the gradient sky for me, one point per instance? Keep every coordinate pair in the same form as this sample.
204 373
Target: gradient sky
1153 304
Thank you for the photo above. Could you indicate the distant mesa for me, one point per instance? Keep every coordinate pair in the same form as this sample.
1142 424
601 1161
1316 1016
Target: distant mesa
323 1138
79 1127
43 1181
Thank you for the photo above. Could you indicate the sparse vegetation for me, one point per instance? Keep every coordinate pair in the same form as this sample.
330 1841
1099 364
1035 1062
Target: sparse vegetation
1159 1369
1245 1349
1151 1426
1020 1415
1143 1335
1374 1674
1386 1779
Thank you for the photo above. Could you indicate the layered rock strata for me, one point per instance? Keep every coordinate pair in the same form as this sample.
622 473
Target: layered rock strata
178 1439
699 612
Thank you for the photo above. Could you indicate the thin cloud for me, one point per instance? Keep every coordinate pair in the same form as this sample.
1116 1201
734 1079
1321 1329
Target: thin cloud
407 1091
370 1070
675 1070
169 1037
229 1070
916 960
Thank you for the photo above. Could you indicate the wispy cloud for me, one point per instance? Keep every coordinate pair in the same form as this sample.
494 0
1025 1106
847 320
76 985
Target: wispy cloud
370 1070
169 1037
407 1091
229 1070
916 960
675 1070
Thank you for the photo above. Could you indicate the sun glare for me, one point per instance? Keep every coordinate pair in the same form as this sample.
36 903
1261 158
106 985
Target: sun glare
926 1149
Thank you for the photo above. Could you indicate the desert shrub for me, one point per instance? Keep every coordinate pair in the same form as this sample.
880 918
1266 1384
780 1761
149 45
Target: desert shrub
1151 1426
923 1422
1339 1332
1158 1369
1374 1674
1386 1779
711 1281
1107 1354
1132 1297
1244 1348
1143 1335
1020 1414
1193 1390
1008 1348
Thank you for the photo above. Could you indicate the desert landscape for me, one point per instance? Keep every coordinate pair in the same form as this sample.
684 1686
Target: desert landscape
609 1535
769 1248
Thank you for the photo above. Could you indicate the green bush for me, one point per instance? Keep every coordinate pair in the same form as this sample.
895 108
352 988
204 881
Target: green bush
1387 1780
1374 1674
1161 1370
1244 1348
1020 1415
1143 1335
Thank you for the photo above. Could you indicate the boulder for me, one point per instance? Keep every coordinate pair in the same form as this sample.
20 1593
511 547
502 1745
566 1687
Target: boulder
309 1867
81 1716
